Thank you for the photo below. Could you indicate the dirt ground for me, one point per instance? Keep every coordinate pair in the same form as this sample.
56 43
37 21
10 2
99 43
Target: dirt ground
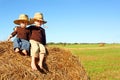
59 64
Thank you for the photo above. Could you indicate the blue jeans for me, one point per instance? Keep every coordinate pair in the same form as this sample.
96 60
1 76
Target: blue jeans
22 44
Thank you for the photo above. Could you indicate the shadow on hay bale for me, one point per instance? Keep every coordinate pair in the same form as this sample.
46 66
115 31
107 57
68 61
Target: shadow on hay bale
60 65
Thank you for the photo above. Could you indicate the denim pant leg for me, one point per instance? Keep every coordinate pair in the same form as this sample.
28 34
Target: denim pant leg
16 43
25 45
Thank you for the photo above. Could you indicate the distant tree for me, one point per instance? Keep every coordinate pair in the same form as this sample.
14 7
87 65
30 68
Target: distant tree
51 43
75 43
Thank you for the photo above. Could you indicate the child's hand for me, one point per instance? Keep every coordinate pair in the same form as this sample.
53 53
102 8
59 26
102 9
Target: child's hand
9 38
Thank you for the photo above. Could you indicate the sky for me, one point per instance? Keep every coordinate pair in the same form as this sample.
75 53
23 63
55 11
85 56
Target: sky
69 21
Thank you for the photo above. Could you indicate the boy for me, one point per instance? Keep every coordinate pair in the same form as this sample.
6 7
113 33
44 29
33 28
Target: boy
21 42
37 40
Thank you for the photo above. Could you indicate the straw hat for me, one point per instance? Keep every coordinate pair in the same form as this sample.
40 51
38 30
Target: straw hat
38 16
22 17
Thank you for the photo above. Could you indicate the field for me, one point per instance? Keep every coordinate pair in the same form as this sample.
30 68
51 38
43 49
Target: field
100 63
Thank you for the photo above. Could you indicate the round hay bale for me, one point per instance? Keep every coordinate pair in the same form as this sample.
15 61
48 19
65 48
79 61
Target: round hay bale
59 64
101 44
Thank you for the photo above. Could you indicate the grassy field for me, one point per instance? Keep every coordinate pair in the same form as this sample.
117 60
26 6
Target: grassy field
100 63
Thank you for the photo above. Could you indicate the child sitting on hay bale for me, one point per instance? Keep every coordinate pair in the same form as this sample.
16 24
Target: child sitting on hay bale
21 42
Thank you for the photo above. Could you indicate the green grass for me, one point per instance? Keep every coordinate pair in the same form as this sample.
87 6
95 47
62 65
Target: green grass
100 63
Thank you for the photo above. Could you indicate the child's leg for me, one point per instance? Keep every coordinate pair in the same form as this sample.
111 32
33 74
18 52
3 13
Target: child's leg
41 55
33 65
17 50
33 53
16 44
41 60
25 46
24 52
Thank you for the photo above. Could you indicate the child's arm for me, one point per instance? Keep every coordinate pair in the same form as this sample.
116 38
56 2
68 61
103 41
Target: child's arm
9 37
44 37
12 34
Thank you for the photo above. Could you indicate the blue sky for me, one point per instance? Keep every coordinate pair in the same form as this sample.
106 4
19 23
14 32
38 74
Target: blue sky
82 21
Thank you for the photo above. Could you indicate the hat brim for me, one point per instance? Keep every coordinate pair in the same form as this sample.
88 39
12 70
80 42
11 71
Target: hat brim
19 21
33 19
